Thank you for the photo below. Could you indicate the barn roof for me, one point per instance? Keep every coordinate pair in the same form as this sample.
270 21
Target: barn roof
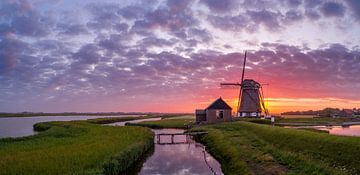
219 104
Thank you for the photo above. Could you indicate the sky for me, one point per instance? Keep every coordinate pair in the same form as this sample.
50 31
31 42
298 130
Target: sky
172 55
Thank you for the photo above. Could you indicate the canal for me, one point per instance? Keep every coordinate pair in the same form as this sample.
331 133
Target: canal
182 155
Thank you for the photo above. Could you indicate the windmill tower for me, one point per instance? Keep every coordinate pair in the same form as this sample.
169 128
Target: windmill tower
251 99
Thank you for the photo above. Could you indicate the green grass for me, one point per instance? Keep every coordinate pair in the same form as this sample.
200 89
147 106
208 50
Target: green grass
107 120
191 117
166 123
256 120
77 147
315 121
299 116
248 148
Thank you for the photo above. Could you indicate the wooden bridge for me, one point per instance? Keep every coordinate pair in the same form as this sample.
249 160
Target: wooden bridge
172 135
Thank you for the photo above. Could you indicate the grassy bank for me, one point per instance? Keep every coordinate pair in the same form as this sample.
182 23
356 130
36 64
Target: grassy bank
174 122
248 148
317 121
107 120
77 147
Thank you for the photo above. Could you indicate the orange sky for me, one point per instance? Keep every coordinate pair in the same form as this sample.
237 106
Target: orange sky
278 105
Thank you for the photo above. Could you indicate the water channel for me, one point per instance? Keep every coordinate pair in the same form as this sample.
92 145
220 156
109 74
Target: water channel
182 155
23 126
177 156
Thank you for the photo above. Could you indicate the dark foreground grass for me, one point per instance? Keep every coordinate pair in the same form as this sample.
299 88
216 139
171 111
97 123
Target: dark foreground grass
182 123
77 147
248 148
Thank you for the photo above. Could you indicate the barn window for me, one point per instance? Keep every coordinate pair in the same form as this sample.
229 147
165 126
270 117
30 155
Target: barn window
220 113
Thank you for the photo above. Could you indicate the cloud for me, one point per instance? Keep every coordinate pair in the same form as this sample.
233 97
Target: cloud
219 6
354 5
21 18
71 29
269 19
293 3
312 14
138 51
10 50
333 9
250 21
312 3
293 16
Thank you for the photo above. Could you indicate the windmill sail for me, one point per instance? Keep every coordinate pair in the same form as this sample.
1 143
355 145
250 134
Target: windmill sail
250 102
242 79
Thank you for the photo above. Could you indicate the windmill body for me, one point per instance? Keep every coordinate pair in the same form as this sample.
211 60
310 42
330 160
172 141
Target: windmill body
251 101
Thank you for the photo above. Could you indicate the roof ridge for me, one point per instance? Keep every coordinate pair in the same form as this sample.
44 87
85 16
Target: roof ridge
219 104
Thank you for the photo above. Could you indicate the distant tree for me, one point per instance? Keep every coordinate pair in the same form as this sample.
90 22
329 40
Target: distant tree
329 112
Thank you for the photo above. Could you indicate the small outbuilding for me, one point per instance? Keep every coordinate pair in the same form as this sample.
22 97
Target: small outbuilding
218 111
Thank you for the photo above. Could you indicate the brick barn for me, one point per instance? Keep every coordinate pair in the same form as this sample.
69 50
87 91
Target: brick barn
218 111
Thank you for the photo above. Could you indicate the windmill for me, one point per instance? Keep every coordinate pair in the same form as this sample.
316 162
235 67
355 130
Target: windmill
251 97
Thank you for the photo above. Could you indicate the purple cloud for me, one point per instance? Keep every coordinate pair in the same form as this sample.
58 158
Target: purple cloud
143 49
333 9
219 6
354 5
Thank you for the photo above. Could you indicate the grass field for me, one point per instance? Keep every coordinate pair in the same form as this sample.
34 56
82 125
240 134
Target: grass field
107 120
248 148
299 116
181 122
77 147
316 121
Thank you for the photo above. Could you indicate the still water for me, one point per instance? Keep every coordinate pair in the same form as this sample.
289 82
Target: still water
353 130
184 156
23 126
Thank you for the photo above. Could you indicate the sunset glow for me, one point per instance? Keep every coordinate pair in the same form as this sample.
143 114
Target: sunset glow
171 56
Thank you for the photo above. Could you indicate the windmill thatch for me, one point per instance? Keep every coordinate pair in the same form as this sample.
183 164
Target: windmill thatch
250 104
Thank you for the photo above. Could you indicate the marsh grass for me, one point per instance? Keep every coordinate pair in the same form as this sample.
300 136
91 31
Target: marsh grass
77 147
280 150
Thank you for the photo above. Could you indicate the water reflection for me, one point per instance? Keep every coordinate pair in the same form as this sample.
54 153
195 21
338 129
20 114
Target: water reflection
189 158
23 126
352 130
